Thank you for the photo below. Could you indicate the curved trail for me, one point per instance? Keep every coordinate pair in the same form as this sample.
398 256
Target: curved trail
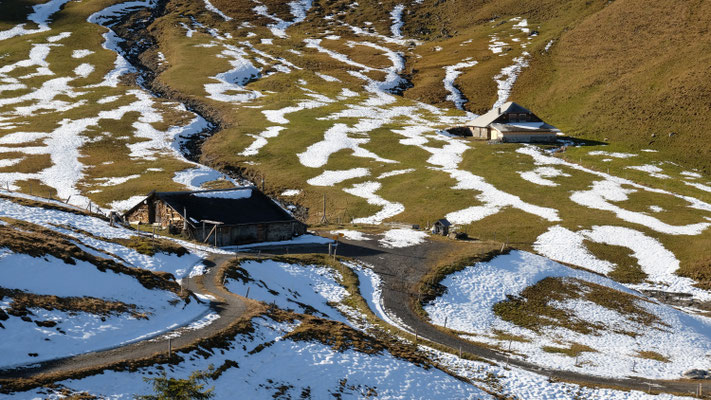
228 306
402 269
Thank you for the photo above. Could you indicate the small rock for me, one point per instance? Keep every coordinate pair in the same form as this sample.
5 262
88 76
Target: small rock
672 134
458 235
696 374
46 324
654 135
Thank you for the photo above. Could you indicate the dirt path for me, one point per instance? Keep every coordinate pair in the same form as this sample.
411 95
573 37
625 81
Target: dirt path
228 306
402 269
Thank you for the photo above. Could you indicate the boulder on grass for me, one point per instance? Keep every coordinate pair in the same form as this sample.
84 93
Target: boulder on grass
696 374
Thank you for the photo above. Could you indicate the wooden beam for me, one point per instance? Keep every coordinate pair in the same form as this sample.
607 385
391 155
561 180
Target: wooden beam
210 234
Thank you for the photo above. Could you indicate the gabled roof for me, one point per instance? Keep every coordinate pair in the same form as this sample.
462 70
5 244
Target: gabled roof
490 116
443 222
235 206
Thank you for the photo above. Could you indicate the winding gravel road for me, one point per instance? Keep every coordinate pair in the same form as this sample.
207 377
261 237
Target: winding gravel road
402 269
228 306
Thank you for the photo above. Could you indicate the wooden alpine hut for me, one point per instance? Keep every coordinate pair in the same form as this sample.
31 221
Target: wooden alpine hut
221 217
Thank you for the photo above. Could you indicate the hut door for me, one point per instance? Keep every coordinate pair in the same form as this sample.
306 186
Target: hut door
156 212
151 212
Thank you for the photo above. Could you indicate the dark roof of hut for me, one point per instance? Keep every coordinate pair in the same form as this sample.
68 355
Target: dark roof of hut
443 222
245 205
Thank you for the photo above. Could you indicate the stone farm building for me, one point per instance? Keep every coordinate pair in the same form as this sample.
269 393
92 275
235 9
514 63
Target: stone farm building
222 217
511 123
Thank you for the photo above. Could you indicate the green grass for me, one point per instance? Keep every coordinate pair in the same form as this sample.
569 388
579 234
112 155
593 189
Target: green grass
106 153
627 270
624 81
426 194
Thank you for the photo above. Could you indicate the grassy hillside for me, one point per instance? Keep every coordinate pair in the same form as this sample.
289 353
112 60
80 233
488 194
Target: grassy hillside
633 72
348 101
630 71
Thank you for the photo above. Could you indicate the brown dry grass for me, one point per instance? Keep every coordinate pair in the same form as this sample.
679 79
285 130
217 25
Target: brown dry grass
34 240
653 355
627 270
341 337
151 246
30 163
23 301
220 340
632 69
532 309
574 350
698 270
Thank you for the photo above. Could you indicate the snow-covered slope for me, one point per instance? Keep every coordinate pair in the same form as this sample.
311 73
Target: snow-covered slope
71 284
629 336
266 363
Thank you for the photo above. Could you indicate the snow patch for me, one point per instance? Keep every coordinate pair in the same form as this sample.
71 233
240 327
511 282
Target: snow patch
81 53
539 175
611 154
507 77
214 9
395 173
351 234
451 74
367 191
467 305
396 17
397 238
330 178
235 194
261 140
